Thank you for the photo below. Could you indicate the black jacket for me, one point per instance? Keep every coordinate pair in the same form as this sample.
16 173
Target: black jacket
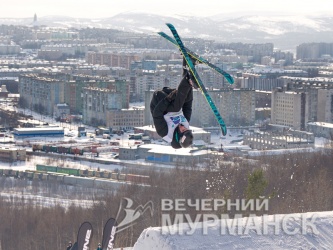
159 107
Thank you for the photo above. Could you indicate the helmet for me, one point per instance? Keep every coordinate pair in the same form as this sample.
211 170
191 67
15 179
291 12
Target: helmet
182 139
186 139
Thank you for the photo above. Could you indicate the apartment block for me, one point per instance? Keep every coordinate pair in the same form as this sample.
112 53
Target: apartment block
125 118
153 80
236 106
112 59
74 90
6 49
290 108
320 96
41 94
325 105
314 50
96 103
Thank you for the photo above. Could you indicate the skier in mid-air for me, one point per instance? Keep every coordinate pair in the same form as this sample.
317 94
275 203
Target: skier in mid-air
171 110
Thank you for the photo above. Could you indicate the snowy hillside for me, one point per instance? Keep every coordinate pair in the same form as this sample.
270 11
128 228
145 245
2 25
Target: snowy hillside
285 231
285 31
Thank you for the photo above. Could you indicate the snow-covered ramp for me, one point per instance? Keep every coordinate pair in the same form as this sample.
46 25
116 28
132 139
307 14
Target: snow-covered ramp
284 231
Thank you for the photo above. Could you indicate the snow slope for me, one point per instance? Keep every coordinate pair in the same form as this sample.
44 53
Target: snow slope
284 231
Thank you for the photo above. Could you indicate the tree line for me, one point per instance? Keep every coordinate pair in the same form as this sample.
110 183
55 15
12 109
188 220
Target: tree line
293 183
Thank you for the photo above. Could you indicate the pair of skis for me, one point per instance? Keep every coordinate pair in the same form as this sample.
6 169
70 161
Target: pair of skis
186 53
85 233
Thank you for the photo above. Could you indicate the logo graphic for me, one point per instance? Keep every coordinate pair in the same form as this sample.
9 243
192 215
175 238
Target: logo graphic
87 240
175 119
178 119
132 214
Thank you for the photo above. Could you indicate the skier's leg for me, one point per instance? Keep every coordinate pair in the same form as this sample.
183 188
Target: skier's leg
157 97
180 95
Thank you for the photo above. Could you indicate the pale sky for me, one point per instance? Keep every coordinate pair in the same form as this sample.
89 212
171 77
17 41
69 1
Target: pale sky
109 8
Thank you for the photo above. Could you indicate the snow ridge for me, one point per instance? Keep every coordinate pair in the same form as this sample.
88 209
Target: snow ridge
284 231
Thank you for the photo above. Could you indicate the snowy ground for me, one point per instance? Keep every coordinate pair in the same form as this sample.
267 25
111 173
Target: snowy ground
291 231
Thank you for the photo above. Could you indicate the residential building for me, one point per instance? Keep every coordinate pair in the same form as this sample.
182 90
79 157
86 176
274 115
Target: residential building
290 108
8 49
74 90
125 119
325 105
61 110
41 94
112 59
314 50
96 103
320 92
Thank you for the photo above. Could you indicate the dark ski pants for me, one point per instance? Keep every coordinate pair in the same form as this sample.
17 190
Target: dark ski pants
182 94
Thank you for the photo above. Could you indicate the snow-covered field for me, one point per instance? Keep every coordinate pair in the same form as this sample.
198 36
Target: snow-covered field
275 232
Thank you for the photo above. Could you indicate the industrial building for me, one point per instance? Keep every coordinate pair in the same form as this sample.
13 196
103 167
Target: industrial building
275 140
41 131
321 129
165 154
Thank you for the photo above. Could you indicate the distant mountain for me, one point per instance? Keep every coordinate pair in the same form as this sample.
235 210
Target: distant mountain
285 31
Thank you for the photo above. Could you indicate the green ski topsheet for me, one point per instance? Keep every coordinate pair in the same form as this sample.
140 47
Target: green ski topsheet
200 58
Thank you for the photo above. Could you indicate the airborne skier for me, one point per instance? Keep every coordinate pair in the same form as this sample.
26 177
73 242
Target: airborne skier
171 110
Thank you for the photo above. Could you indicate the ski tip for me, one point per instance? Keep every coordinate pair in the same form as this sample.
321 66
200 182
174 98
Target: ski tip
230 79
170 25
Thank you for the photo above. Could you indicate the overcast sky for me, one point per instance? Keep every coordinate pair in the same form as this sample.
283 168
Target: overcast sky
108 8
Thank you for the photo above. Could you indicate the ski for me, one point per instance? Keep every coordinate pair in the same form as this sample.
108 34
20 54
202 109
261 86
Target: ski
74 247
197 78
109 234
84 236
227 76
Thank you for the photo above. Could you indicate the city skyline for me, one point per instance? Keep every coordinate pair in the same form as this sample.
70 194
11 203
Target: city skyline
105 8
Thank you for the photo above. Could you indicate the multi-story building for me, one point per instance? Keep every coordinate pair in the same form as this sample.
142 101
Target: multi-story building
41 93
236 106
325 105
125 118
112 59
96 103
290 108
255 51
320 92
74 90
267 78
152 80
7 49
314 50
